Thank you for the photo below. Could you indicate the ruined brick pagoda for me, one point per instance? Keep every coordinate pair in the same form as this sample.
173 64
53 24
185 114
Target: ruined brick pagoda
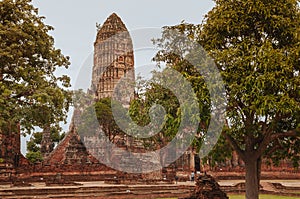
113 57
113 61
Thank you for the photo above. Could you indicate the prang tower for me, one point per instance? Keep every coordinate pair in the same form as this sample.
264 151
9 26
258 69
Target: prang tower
113 57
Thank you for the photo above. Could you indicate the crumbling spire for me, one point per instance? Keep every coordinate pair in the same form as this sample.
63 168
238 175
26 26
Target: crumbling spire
46 144
113 57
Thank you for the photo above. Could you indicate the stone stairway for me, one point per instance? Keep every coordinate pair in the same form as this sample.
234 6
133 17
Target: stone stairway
98 192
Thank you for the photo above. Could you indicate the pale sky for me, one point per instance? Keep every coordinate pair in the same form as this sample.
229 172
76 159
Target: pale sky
74 22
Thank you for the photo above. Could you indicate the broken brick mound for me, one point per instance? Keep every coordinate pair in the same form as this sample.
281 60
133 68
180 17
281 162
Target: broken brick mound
207 188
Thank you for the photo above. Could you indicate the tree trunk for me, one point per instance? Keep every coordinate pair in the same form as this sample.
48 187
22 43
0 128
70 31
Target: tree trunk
252 178
259 162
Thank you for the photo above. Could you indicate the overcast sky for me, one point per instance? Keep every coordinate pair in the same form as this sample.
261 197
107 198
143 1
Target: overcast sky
75 21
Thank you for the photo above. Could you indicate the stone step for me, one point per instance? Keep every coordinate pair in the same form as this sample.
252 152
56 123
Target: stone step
99 192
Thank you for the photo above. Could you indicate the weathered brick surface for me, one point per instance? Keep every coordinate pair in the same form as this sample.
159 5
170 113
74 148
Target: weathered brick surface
113 58
46 143
207 188
70 151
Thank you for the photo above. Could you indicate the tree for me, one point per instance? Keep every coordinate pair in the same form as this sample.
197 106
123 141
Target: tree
255 45
179 50
92 115
30 93
34 157
219 155
106 119
140 109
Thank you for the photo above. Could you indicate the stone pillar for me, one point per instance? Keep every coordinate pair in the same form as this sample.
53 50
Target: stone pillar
10 154
10 145
46 144
192 161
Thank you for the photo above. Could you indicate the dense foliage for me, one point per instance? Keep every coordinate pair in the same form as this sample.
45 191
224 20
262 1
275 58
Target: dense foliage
30 92
255 45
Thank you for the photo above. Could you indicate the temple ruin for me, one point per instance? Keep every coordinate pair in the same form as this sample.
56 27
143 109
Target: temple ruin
113 57
113 60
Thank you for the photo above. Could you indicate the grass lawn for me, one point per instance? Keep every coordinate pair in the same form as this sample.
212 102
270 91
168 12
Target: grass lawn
262 196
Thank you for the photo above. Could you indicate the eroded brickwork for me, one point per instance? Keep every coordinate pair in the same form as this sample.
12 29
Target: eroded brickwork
113 57
113 62
207 188
70 151
10 154
46 143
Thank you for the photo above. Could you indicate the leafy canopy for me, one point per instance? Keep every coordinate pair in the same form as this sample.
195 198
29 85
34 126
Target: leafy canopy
30 92
256 47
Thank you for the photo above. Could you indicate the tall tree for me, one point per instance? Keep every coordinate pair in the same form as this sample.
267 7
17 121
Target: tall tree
30 92
140 111
105 117
255 45
93 115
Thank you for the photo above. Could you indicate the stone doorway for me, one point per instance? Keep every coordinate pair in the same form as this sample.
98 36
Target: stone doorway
197 163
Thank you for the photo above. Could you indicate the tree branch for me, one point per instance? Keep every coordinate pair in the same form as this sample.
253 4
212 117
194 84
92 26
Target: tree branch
234 145
274 148
271 137
291 133
264 143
